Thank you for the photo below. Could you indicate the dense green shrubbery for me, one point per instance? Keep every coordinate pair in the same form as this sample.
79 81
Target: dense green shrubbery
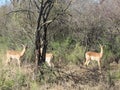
76 54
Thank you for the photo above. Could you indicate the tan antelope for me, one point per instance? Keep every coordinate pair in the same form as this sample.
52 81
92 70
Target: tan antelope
12 54
49 58
94 56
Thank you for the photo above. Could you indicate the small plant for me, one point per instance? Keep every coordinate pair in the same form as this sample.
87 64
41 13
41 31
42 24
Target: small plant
76 54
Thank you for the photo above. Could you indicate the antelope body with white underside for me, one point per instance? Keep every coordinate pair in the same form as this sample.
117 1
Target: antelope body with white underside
12 54
94 56
49 58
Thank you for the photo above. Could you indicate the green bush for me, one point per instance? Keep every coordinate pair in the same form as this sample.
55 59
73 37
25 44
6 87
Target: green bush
76 54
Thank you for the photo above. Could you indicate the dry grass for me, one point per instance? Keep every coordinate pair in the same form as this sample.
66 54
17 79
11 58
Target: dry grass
69 77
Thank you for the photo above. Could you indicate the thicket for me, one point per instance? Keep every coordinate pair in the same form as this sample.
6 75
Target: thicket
80 28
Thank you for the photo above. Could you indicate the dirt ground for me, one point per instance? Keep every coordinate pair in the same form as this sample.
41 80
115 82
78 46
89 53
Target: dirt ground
78 77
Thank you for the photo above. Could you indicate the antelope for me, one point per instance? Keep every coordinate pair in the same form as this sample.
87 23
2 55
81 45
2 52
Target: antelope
94 56
12 54
49 57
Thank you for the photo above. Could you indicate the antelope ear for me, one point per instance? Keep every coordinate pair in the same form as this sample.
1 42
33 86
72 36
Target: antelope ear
26 45
100 44
23 45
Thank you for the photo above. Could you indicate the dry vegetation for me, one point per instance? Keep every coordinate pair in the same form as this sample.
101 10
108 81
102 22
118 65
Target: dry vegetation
78 26
69 77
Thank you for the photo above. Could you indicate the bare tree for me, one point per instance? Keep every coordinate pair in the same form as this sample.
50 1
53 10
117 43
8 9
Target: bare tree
42 25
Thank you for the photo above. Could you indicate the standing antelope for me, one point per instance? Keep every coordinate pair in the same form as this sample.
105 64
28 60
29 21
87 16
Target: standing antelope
12 54
49 57
94 56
